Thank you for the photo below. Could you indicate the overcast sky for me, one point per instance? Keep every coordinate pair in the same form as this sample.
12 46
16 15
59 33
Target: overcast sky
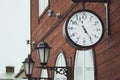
14 31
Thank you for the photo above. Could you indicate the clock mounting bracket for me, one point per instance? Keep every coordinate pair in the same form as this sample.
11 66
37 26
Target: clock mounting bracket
107 6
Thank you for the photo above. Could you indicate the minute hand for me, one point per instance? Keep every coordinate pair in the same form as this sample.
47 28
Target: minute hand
86 32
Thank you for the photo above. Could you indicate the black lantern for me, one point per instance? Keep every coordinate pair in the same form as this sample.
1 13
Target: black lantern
28 66
43 52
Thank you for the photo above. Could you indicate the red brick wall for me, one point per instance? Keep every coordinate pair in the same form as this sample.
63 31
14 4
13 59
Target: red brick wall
107 52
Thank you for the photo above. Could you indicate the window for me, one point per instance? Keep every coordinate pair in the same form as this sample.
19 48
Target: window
42 6
60 62
84 65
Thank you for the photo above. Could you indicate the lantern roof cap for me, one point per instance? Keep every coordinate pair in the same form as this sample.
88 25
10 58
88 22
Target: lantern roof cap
29 59
43 44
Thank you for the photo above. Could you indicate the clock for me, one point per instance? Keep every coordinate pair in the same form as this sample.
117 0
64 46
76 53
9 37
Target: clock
83 29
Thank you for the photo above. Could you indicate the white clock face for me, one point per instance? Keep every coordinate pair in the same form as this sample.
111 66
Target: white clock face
84 28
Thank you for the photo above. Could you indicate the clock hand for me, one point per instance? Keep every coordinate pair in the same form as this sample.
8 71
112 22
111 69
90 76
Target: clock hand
86 33
84 29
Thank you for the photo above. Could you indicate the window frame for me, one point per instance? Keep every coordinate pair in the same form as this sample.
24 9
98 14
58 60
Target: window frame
44 11
60 52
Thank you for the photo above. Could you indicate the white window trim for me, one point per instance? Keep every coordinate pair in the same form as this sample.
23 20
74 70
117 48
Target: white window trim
84 65
60 62
43 4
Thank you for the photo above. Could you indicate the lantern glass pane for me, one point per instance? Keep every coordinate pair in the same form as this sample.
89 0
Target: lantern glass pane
26 68
46 54
31 68
41 55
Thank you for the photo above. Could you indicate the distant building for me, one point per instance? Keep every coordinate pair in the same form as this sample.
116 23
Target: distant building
9 74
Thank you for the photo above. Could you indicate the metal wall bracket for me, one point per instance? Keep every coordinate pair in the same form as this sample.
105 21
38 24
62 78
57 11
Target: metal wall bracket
107 6
66 71
108 28
42 78
30 42
52 14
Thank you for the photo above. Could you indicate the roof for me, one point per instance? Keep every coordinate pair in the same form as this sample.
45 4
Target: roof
21 73
8 76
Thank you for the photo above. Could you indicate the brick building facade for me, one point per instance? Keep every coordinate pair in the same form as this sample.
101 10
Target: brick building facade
106 53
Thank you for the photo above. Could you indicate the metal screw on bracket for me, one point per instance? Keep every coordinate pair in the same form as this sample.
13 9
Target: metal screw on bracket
52 14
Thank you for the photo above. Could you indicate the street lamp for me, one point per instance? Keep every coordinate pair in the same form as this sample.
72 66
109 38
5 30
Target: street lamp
28 67
43 53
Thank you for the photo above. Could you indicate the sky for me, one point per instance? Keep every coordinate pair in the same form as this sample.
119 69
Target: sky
14 31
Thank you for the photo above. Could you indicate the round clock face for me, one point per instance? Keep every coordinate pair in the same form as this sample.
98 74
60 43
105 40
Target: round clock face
83 29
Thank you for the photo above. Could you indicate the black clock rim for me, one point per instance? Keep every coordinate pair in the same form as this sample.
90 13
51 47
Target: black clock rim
72 43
